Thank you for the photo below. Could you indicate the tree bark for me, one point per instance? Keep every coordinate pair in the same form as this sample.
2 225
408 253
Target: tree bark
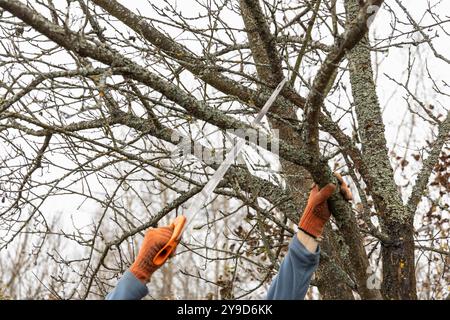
399 280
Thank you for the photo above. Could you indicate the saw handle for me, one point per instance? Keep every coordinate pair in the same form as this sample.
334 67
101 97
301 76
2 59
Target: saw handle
166 251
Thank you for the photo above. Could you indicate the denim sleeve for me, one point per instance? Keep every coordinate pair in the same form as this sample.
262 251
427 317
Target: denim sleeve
128 288
294 276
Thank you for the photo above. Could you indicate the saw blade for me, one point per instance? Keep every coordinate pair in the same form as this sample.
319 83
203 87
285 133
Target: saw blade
202 198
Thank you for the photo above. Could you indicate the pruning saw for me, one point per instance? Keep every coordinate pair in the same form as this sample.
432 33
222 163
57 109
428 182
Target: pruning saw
179 223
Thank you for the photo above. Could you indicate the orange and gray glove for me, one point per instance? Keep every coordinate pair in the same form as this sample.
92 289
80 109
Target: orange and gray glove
154 240
317 213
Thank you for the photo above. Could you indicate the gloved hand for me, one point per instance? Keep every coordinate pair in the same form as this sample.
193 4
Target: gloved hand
154 240
317 213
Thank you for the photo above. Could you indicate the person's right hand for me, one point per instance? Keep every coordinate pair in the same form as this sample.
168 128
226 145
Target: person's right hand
155 239
317 213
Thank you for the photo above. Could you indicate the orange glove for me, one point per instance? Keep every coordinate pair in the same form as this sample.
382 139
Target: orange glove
317 213
143 267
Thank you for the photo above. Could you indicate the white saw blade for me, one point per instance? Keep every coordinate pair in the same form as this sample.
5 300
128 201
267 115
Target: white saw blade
201 198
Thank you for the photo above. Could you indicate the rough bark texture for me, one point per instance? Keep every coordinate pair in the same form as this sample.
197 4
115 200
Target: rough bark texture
332 284
398 255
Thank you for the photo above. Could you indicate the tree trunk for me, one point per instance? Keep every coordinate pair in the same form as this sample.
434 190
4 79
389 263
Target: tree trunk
398 255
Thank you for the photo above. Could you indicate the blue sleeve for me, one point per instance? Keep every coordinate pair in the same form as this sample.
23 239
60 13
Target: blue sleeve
128 288
294 276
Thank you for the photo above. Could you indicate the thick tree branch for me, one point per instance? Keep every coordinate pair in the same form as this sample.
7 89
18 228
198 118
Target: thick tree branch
398 257
428 164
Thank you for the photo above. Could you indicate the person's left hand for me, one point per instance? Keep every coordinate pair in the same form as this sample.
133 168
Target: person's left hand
317 213
155 239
